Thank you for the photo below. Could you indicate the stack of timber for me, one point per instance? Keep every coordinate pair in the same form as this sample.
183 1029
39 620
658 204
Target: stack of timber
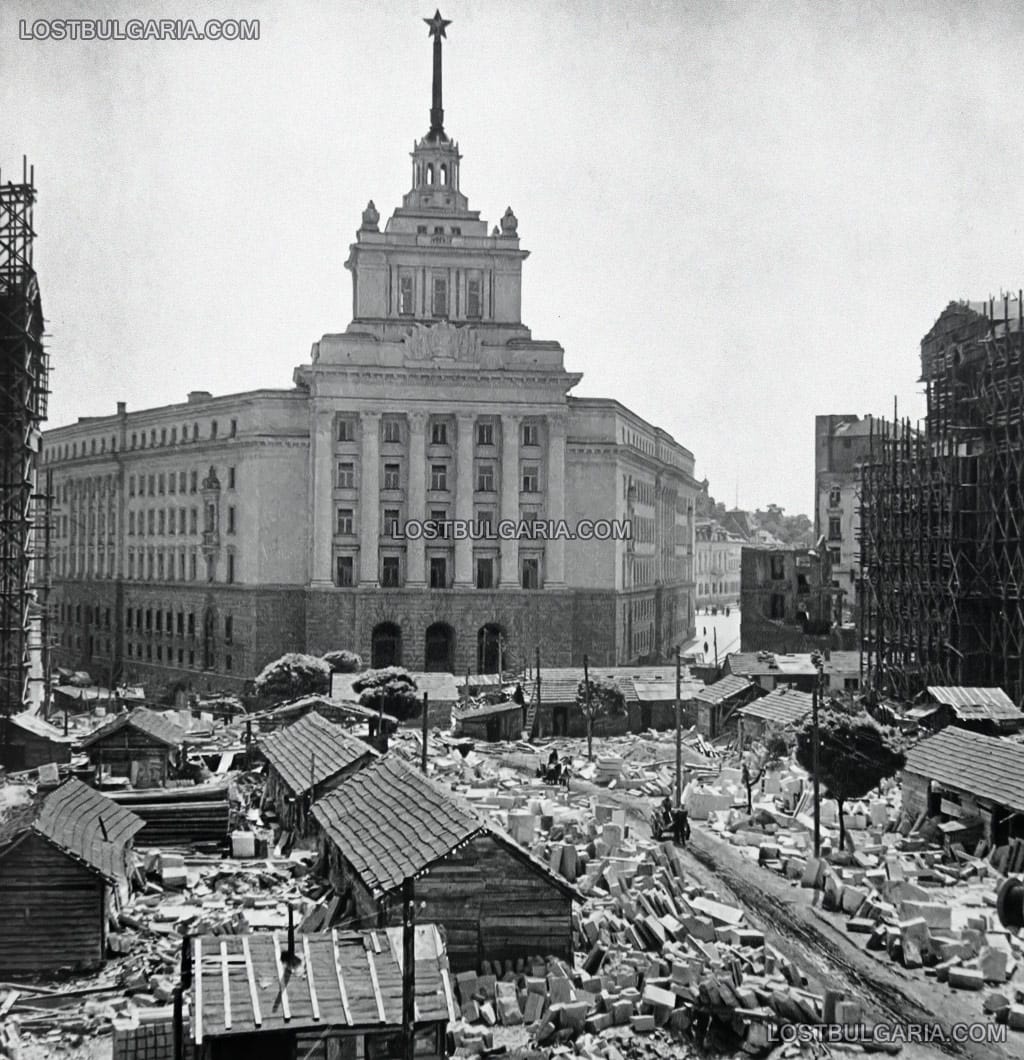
176 816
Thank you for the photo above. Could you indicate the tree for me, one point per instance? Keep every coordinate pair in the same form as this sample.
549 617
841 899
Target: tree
855 754
605 701
343 662
293 675
759 759
389 691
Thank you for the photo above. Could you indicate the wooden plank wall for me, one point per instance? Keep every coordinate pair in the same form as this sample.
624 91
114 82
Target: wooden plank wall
118 750
493 906
52 910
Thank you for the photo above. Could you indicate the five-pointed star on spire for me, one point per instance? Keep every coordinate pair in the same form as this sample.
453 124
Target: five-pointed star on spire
437 25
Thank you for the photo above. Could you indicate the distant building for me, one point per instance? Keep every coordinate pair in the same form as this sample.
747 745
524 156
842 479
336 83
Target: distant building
787 599
842 444
716 564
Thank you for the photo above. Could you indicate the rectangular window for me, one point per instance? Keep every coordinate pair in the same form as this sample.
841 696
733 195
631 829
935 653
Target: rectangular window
405 300
181 520
392 431
531 478
439 433
346 431
160 484
231 519
776 606
392 476
194 522
151 522
440 516
194 482
131 524
391 519
834 497
473 300
834 528
131 485
172 483
485 517
231 477
485 434
778 568
213 429
192 568
162 520
182 479
234 428
346 476
345 571
389 572
530 434
530 569
344 521
231 568
159 621
152 486
485 478
181 566
438 477
438 572
439 302
484 572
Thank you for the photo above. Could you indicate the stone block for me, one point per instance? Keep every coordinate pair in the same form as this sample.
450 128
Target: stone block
992 963
642 1024
937 915
966 978
534 1007
1015 1017
622 1012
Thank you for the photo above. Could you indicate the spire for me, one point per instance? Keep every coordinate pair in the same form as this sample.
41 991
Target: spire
437 31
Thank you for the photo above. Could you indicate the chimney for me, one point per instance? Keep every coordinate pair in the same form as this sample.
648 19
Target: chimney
122 408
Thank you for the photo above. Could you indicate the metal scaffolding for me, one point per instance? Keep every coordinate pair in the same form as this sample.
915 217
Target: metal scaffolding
24 373
942 512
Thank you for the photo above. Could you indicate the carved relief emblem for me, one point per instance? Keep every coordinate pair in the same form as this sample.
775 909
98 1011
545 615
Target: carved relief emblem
442 342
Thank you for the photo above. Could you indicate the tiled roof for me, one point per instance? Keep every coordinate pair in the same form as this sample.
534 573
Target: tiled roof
312 750
389 821
144 720
345 979
749 664
976 703
559 683
729 686
784 706
985 766
81 822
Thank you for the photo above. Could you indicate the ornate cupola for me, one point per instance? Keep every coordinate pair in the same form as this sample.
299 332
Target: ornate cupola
435 159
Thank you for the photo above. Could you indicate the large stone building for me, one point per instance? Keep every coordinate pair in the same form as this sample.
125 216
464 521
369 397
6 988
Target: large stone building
842 444
197 541
717 564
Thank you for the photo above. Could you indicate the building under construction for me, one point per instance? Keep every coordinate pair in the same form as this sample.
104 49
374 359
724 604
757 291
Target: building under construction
23 391
942 514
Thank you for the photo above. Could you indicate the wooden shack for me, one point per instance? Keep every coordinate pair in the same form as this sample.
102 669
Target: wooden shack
493 899
782 709
142 745
717 703
306 760
490 721
65 861
27 742
336 994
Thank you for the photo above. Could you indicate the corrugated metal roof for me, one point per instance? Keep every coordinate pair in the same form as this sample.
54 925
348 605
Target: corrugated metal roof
748 664
80 821
985 766
312 750
729 686
346 979
144 720
784 706
975 703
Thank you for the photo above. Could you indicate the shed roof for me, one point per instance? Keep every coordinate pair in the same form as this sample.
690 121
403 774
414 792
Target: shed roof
767 664
973 704
345 979
986 766
79 821
727 688
390 821
842 662
312 750
38 726
143 720
784 706
485 710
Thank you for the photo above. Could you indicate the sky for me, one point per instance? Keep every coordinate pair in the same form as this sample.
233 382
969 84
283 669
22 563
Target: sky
739 215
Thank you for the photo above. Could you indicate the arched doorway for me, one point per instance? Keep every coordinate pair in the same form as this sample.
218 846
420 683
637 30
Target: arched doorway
490 648
439 655
386 645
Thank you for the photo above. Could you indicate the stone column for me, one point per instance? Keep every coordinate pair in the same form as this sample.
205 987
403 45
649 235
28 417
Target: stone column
321 499
464 498
415 562
510 497
554 574
369 498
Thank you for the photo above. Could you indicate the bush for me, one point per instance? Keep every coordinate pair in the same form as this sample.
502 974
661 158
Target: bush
391 691
293 675
343 662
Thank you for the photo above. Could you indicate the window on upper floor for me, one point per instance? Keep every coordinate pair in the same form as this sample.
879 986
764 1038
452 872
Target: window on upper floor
213 429
392 431
531 434
439 296
485 434
438 433
231 478
835 497
406 306
392 476
344 521
390 521
389 572
835 530
344 571
485 572
530 478
529 572
346 475
438 572
438 477
485 478
346 430
474 302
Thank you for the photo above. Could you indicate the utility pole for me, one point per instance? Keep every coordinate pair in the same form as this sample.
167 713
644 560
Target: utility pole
679 729
409 968
714 630
815 733
590 717
426 704
536 713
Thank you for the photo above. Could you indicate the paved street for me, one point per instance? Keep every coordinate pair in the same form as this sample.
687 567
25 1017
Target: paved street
728 634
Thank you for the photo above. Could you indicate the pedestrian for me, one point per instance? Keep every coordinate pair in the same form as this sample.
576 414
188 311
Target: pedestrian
705 647
552 770
566 771
705 631
680 826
